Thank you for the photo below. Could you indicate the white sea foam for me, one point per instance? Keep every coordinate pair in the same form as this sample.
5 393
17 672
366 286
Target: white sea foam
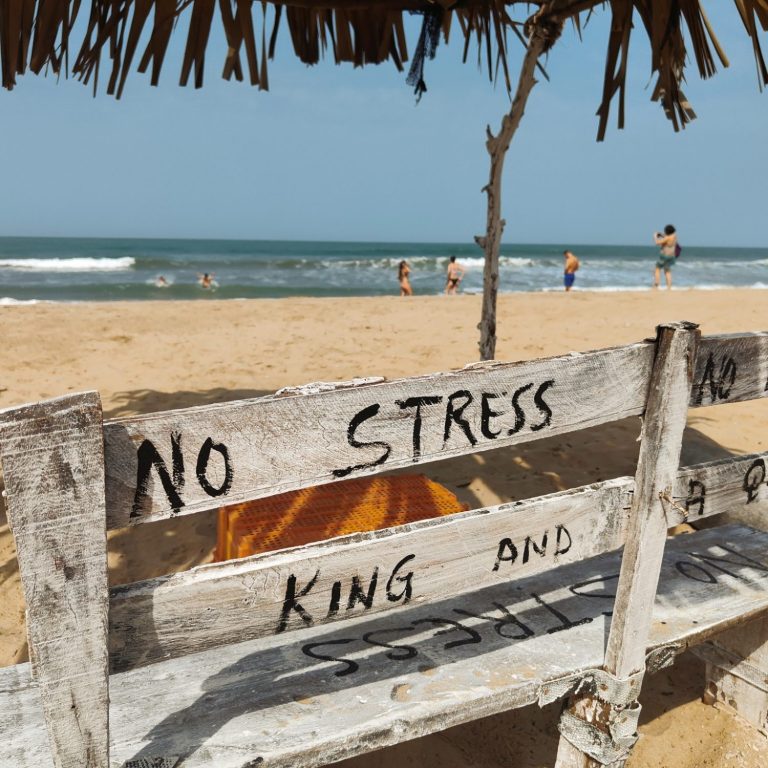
83 264
7 301
436 262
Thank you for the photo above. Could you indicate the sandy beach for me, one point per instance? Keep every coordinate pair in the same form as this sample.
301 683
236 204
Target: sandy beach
149 356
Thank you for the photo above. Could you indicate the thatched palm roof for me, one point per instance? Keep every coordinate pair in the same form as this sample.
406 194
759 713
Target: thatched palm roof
41 34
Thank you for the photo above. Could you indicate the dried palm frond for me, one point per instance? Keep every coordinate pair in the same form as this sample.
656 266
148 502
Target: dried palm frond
38 35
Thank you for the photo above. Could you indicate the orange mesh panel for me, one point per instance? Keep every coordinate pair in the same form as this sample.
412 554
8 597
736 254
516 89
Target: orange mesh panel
324 511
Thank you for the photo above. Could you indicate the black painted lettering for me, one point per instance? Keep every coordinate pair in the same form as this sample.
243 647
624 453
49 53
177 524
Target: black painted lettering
487 413
708 377
455 415
333 606
358 595
453 626
737 559
606 594
753 478
349 665
565 622
291 602
539 549
417 403
538 398
202 467
727 373
148 457
688 569
408 651
507 553
357 420
500 625
697 493
407 581
519 411
560 548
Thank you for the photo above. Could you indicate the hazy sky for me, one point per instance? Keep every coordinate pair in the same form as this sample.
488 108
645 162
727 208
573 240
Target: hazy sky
336 153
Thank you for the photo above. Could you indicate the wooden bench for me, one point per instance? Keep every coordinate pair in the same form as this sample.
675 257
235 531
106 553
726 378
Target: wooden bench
309 655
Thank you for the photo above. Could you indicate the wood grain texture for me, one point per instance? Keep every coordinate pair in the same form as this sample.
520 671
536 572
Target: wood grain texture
359 575
281 443
657 468
730 368
277 444
661 441
208 605
52 460
276 702
737 671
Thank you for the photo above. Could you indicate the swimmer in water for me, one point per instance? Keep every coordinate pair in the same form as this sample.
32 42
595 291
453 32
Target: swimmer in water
206 280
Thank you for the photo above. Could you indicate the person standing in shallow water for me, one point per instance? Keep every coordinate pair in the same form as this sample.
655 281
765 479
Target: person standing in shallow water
453 277
667 243
403 271
569 272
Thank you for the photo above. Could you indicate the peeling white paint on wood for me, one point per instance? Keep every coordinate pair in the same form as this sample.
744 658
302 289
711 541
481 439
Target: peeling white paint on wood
255 448
54 473
436 623
307 436
207 606
730 368
277 699
661 440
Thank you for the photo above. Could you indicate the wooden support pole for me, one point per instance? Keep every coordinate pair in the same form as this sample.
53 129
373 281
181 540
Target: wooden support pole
497 147
662 434
53 462
737 671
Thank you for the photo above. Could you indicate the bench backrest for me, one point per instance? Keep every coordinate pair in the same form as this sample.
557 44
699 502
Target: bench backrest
70 478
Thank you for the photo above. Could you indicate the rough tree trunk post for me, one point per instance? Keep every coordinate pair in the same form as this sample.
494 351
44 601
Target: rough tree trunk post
497 146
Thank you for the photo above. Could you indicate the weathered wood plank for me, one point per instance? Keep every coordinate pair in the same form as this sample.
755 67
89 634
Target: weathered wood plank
195 459
52 457
209 605
363 574
657 468
730 368
737 671
312 435
738 486
283 701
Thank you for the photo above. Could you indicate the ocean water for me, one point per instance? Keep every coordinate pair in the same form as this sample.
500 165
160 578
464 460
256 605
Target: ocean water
80 269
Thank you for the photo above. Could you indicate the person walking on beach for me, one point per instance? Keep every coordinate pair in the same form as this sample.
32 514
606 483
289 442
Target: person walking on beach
403 271
453 277
667 243
571 265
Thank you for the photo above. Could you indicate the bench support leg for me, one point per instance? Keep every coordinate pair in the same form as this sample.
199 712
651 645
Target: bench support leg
598 730
737 671
53 462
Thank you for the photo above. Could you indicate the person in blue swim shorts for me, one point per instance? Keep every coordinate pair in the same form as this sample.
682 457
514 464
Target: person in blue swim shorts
571 265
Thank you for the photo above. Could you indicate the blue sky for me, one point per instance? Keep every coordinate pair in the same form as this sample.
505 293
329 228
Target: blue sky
335 153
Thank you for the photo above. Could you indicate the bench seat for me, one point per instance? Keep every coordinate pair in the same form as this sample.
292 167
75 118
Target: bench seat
280 701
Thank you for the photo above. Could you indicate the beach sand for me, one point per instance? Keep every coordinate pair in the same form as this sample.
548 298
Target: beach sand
149 356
